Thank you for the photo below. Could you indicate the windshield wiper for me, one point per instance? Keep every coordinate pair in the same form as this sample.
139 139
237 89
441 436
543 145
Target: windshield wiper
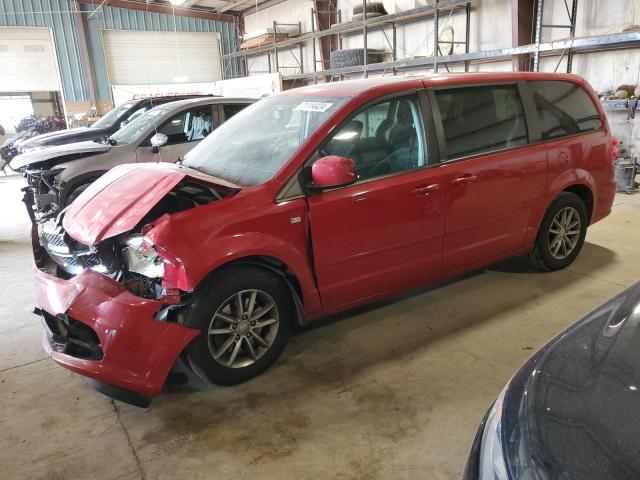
105 140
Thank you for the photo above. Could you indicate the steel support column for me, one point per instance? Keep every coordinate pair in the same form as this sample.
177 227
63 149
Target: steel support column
521 30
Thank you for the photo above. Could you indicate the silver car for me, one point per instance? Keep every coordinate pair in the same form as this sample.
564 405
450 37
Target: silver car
57 175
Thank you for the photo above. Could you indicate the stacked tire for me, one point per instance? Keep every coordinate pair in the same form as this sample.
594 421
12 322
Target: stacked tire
353 57
374 9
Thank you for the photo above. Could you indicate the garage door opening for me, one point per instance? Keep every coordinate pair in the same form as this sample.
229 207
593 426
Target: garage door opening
13 108
147 64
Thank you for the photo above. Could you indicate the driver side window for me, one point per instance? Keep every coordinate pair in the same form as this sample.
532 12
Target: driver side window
385 138
188 126
137 113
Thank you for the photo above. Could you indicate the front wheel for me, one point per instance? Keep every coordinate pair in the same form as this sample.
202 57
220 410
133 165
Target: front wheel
562 232
244 314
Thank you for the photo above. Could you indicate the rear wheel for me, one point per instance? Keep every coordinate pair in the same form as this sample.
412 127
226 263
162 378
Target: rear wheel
562 233
244 314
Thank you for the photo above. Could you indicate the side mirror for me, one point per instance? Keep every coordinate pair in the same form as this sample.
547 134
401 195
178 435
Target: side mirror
123 123
333 171
157 141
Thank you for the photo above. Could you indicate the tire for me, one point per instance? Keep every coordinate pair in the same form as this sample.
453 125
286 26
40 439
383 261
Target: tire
555 251
372 7
353 57
358 17
215 304
74 194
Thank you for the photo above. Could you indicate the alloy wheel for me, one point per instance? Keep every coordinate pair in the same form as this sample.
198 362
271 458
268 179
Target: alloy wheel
564 233
243 328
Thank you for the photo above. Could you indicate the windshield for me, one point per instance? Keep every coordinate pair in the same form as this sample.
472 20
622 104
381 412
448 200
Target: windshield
252 146
137 127
112 116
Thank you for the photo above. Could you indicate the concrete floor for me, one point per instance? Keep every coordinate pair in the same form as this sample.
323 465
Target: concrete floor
393 391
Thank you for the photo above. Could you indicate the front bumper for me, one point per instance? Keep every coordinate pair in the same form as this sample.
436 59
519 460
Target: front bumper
135 351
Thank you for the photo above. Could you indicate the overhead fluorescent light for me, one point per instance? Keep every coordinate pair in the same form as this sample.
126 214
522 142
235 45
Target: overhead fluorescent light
177 2
181 79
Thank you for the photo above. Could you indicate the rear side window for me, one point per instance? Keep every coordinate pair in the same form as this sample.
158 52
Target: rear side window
564 108
230 109
481 119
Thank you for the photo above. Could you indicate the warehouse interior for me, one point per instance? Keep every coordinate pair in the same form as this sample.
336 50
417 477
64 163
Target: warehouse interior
395 388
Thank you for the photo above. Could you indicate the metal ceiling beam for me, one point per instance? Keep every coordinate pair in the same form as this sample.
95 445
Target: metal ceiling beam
150 7
233 5
261 6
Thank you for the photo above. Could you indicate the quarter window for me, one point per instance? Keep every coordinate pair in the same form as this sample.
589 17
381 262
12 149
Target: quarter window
564 108
383 139
481 119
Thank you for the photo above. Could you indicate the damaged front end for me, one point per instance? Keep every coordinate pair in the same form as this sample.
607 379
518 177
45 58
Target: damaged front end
100 281
128 258
42 169
42 193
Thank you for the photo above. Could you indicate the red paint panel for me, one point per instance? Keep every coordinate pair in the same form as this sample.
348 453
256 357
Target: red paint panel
371 237
489 201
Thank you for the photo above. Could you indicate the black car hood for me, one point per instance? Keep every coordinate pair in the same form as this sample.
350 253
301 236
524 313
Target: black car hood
62 137
572 412
58 154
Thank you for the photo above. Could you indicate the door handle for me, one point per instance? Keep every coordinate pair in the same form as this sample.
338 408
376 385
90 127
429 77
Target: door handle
425 190
464 180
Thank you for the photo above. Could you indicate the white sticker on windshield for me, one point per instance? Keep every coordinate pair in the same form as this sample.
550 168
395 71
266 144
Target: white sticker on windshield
313 107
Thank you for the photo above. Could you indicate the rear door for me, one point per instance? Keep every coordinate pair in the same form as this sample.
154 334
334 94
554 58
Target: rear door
491 174
184 130
385 231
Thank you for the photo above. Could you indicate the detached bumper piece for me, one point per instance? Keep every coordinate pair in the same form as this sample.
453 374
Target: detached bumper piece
95 327
120 394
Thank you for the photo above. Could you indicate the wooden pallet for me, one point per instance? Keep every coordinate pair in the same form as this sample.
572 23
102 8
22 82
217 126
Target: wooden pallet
261 41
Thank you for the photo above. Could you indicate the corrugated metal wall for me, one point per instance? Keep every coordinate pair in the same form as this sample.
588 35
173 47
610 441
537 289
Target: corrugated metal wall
59 15
122 19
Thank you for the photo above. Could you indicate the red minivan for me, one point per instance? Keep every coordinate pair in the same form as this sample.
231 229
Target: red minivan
311 202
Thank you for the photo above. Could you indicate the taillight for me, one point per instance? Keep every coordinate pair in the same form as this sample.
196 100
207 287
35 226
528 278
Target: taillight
614 149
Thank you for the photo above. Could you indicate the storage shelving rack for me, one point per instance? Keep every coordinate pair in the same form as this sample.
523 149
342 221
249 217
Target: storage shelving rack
569 46
274 47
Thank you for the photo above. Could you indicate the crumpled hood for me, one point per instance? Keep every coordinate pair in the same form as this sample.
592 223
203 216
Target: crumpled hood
118 200
42 155
13 139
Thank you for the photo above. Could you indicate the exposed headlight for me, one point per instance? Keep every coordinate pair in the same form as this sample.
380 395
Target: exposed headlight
492 463
141 259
